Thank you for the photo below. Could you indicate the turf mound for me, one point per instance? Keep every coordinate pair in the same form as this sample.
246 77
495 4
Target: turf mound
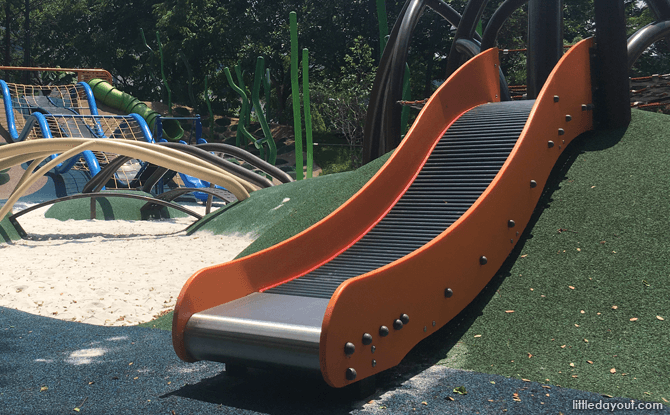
7 232
112 208
583 300
276 213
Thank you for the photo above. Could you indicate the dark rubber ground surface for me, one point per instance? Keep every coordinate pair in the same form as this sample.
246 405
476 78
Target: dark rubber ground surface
49 366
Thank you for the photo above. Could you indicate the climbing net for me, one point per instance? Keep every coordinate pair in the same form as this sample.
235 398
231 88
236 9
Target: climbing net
98 127
65 96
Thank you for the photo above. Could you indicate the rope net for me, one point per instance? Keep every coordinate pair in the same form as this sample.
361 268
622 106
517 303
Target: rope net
101 127
26 99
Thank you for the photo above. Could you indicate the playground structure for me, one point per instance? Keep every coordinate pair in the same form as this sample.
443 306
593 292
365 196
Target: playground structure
425 235
39 116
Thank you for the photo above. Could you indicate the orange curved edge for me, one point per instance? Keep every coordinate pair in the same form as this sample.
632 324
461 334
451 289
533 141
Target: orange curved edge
415 284
475 83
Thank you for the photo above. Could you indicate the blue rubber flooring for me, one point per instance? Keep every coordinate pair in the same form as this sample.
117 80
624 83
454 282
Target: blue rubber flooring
49 366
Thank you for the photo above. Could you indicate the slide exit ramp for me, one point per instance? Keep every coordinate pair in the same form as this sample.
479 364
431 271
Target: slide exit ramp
351 295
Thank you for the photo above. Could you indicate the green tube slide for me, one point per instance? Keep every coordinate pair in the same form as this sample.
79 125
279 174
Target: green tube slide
110 96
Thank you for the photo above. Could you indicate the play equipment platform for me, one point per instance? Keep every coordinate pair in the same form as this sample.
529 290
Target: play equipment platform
410 250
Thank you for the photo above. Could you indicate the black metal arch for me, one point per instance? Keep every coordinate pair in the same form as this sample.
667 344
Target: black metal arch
645 37
382 126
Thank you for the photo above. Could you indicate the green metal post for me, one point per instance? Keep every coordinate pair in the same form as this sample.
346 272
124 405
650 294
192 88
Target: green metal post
240 92
383 25
209 109
151 60
295 94
255 99
246 110
308 115
406 96
241 129
190 78
167 88
266 88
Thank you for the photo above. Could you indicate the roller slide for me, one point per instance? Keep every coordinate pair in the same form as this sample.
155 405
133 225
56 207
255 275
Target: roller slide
350 296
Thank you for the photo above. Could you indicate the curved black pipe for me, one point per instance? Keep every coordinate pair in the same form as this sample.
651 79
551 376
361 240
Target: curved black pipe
469 49
232 168
382 124
202 152
645 37
448 13
13 218
104 175
244 155
661 8
466 30
499 17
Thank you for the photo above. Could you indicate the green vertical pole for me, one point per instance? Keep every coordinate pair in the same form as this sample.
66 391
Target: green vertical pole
383 26
266 88
406 96
246 109
167 88
256 102
295 94
209 109
308 115
240 124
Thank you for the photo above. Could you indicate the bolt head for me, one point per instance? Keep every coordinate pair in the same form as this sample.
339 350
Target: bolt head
383 331
349 348
404 318
533 184
367 338
568 117
374 363
511 223
550 144
373 349
561 131
397 324
351 373
556 98
448 292
483 260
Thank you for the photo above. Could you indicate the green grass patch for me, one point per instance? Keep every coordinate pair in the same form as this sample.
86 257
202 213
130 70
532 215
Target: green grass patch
110 208
7 231
595 258
333 154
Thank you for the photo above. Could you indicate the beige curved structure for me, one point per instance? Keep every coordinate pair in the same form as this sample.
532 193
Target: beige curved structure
38 150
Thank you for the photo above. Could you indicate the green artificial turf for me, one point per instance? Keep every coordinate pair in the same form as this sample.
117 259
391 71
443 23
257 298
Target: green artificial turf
597 257
275 214
598 239
113 208
7 231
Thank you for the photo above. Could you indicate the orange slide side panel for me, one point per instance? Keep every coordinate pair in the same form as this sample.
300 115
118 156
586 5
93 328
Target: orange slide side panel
415 285
475 83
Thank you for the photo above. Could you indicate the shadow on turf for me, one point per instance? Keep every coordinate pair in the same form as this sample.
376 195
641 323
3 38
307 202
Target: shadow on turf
288 393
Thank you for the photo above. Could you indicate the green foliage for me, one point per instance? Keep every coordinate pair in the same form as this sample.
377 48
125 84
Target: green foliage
343 104
213 34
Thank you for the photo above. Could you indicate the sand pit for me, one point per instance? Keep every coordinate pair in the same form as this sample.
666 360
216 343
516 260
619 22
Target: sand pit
112 273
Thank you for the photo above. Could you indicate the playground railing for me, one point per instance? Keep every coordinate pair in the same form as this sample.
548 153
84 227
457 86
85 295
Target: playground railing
122 127
83 75
20 101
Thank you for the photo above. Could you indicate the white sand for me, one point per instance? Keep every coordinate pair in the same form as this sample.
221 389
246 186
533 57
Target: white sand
111 273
